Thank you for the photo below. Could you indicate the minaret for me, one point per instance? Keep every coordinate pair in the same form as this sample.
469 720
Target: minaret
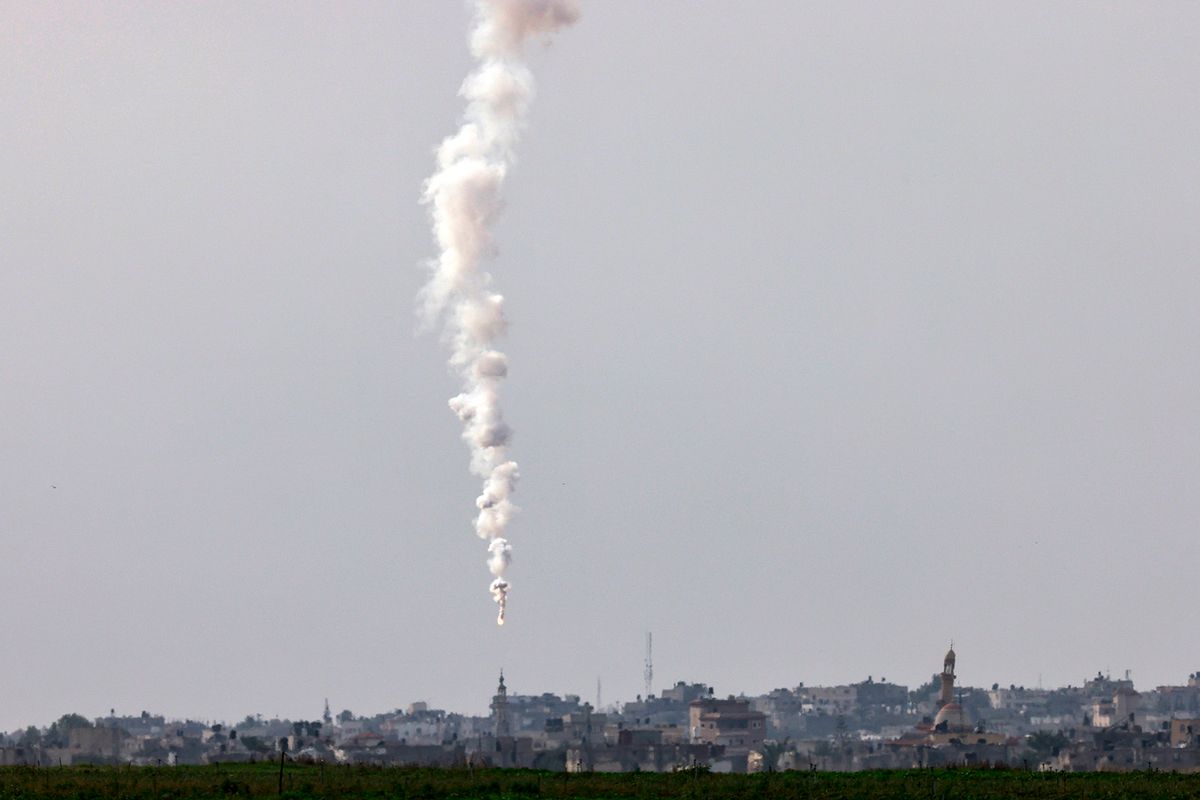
947 695
500 709
327 717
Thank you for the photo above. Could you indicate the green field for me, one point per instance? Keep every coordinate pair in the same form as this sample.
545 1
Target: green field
315 781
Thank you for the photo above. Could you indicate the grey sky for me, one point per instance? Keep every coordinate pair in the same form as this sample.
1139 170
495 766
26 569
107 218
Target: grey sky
838 330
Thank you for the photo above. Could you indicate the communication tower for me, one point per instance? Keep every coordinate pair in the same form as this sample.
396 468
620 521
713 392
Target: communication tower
648 672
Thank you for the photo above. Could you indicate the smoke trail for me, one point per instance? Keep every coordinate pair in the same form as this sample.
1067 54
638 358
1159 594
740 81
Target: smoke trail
464 198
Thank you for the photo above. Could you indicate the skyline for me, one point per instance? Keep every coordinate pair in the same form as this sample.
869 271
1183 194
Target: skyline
837 332
583 696
615 705
1102 725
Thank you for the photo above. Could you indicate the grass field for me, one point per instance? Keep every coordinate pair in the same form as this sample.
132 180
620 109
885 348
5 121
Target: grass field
315 781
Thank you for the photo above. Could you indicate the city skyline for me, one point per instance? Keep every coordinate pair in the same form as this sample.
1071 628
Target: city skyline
1104 724
480 707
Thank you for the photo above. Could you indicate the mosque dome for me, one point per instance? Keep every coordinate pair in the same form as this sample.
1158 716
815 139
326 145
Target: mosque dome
954 716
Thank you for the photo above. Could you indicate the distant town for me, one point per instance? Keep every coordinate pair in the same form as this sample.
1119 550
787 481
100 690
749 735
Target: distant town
1102 724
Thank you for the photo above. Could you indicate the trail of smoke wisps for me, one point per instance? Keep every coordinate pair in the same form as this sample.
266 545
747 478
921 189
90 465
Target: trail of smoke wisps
464 198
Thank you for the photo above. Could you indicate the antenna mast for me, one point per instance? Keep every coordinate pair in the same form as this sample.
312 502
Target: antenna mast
648 672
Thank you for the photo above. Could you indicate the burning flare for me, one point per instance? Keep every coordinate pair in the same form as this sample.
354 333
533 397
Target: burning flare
463 196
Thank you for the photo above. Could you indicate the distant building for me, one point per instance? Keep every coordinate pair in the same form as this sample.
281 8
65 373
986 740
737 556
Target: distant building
951 716
669 708
950 736
880 697
832 700
1186 699
1121 709
728 723
530 713
1103 686
782 708
685 693
501 725
1031 702
1185 733
95 744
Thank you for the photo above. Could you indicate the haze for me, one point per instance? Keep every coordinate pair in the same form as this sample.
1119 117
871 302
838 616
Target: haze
838 330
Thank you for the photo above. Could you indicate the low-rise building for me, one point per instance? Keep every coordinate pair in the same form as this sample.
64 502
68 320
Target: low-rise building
1185 732
832 700
729 723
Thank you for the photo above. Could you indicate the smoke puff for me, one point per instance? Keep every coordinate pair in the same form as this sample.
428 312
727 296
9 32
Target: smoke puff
490 436
502 26
462 407
491 365
502 91
499 556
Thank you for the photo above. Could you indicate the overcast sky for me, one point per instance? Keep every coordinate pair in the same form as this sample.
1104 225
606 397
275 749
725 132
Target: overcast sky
838 330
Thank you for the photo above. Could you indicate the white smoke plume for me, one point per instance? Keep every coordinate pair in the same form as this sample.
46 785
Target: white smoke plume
464 199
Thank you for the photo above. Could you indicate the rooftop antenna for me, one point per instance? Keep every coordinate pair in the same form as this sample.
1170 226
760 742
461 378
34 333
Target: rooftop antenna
648 672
